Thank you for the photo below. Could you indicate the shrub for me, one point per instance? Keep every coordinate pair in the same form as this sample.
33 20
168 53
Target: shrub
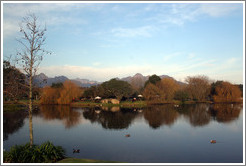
51 152
60 93
46 152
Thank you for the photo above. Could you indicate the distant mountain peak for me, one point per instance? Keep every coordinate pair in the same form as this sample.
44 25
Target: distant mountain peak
41 80
42 75
138 80
138 75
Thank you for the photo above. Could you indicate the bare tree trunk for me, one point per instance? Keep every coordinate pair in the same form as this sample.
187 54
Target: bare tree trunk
31 56
30 111
30 126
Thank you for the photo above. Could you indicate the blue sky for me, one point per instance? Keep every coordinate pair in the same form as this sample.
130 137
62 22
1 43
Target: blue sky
99 41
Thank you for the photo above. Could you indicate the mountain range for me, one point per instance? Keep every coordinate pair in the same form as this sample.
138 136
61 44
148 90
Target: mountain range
42 80
137 81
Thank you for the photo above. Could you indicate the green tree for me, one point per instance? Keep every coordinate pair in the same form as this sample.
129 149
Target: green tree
14 86
57 85
153 80
116 88
213 86
181 95
92 92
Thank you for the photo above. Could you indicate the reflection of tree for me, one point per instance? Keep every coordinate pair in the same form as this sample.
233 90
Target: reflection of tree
160 115
12 122
60 112
111 120
226 112
198 114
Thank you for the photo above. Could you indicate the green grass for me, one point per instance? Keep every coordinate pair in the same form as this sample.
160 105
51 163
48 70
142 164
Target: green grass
85 104
75 160
26 102
133 104
13 107
122 104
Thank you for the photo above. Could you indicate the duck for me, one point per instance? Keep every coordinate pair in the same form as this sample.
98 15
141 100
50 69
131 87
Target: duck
127 135
76 150
212 141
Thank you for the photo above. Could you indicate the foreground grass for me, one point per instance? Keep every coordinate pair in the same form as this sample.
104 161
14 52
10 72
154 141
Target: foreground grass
75 160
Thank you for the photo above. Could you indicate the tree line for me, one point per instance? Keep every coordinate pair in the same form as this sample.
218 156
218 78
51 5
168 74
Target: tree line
155 90
197 88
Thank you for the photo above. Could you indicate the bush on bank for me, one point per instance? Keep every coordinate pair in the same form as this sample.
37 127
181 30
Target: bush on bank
45 153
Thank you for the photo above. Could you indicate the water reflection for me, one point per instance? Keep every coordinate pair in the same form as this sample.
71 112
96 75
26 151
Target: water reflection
12 122
160 115
226 112
65 113
121 118
111 119
197 114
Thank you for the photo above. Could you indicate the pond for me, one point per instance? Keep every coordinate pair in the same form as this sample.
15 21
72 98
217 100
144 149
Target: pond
156 134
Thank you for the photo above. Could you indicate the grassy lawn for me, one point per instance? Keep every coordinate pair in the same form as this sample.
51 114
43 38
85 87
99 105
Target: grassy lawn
133 104
75 160
13 107
122 104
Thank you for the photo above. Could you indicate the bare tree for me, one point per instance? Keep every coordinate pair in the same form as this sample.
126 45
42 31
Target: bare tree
198 87
31 54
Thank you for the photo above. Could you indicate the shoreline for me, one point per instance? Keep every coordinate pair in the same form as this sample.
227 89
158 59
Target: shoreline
23 103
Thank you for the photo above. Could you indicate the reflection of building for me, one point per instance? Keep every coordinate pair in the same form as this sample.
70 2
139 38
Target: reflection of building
113 101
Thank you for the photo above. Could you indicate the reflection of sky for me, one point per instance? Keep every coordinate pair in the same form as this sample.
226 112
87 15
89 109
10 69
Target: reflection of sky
179 142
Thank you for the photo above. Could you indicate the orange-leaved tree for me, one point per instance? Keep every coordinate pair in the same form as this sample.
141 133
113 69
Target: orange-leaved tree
226 92
50 95
152 93
168 87
69 92
63 94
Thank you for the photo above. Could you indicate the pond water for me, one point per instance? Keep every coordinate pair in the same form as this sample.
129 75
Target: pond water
157 134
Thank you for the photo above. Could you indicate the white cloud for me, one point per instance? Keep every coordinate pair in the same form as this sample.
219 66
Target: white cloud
226 70
94 73
50 13
45 8
181 13
10 28
191 55
96 63
170 56
144 31
218 10
176 14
